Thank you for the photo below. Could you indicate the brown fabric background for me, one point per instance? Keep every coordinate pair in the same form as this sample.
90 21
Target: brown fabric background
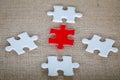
101 17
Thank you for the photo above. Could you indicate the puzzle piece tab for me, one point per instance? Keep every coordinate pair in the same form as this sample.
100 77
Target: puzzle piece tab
104 47
60 14
24 41
54 65
61 38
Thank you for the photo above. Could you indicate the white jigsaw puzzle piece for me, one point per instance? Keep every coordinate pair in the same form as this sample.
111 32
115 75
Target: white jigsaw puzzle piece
60 14
104 47
24 41
54 65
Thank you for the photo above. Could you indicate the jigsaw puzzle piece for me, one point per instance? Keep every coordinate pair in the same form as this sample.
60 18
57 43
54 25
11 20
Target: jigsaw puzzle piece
69 14
24 41
66 66
61 38
104 47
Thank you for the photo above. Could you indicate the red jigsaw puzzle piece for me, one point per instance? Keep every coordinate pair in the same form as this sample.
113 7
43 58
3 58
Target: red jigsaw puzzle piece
61 38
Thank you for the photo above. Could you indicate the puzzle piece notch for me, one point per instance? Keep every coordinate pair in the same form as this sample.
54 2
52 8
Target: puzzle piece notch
24 41
104 47
69 14
62 37
54 65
